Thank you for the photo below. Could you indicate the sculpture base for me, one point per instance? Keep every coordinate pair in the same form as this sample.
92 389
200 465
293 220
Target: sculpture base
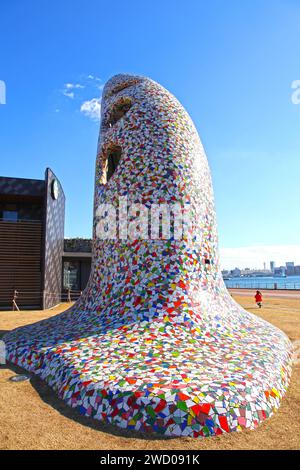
218 374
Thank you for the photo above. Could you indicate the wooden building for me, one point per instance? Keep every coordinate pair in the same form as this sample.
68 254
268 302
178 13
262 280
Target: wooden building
32 214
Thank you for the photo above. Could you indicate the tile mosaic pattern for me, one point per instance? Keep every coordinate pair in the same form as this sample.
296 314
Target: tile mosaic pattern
156 343
54 242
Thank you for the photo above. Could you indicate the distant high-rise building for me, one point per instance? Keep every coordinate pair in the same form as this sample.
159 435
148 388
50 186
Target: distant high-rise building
272 266
297 270
281 271
290 264
290 268
265 267
236 272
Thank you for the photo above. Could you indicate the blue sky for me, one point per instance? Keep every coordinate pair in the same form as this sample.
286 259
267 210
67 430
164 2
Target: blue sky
231 64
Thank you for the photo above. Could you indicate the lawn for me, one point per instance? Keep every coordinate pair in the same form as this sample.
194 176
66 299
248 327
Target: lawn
32 417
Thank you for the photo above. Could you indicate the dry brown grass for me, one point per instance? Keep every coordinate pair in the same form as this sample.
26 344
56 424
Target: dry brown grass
32 417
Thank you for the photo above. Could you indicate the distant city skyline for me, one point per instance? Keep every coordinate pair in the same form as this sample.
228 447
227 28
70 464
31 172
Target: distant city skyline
254 257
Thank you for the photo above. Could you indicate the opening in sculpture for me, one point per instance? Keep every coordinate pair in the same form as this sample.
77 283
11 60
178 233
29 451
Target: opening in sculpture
113 159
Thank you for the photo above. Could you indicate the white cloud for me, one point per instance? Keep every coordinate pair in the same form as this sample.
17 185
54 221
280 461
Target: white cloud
70 86
93 82
69 94
90 83
91 108
92 77
256 256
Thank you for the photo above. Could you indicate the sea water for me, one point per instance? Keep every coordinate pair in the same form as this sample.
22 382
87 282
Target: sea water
268 282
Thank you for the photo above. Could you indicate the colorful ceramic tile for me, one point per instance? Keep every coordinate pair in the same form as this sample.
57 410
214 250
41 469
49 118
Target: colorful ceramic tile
156 343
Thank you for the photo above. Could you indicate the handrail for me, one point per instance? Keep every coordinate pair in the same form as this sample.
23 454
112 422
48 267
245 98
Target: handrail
21 220
274 285
17 297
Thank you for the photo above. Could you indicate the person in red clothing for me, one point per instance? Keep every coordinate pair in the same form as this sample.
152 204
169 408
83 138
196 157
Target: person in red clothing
258 298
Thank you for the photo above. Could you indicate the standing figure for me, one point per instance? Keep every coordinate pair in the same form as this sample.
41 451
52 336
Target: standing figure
258 298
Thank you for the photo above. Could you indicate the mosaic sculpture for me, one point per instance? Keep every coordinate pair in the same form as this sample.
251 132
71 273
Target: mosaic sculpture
156 343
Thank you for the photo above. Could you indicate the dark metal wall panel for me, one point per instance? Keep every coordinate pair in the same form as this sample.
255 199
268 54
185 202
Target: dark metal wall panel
54 241
85 273
21 187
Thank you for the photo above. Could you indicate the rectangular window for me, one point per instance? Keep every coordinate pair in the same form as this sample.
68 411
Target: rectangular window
71 275
11 216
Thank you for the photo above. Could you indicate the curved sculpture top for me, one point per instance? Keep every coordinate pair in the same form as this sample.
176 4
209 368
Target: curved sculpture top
161 161
156 343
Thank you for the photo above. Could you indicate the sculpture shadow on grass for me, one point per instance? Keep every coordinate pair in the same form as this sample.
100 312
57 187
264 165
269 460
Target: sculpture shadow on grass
48 396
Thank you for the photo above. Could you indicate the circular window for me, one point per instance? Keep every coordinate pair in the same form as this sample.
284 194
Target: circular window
54 190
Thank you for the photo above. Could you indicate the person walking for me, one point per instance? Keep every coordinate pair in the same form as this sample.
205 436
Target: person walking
258 298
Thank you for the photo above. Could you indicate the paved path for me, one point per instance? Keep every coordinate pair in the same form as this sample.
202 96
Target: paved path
291 294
